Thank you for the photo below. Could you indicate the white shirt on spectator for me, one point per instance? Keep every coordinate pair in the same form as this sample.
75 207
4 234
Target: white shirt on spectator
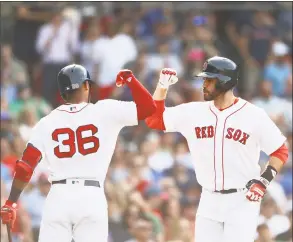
155 62
277 193
34 203
161 160
63 46
277 223
120 50
25 132
92 53
275 106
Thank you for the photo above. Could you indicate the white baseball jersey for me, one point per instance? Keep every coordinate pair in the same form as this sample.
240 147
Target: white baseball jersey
225 145
78 140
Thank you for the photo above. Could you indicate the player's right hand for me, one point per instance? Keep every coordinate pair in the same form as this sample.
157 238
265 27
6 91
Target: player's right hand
8 213
124 76
168 77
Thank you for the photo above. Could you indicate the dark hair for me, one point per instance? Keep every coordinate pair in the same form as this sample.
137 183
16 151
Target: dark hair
126 214
68 95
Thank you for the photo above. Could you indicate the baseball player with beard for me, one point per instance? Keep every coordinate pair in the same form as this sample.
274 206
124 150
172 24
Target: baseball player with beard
225 135
77 141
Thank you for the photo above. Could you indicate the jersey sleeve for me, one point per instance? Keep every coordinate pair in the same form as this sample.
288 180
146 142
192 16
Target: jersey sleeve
270 136
36 139
120 112
174 118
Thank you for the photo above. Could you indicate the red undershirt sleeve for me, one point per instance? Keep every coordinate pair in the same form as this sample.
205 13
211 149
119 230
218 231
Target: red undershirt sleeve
156 121
281 153
143 99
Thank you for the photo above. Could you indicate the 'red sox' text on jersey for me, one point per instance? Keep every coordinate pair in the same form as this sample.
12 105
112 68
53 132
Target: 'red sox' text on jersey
209 132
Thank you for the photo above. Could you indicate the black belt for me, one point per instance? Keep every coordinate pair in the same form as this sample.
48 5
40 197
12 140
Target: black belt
91 183
233 190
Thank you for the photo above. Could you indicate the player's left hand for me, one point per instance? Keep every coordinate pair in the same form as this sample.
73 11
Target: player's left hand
256 190
124 76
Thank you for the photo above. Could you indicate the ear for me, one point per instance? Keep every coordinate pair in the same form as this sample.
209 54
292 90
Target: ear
86 85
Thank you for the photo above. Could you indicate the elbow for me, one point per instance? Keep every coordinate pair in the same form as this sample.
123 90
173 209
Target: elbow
155 123
149 122
145 111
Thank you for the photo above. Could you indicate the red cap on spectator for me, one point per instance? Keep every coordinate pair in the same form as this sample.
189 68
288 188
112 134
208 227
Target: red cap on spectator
142 185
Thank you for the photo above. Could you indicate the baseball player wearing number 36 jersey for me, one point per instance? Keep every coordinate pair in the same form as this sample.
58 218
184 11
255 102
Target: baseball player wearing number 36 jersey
77 141
225 135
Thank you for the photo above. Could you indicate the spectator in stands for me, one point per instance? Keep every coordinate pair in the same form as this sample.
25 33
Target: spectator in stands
254 44
8 157
26 100
57 43
284 22
12 69
164 32
278 71
159 159
279 109
91 49
148 205
120 49
163 58
277 223
288 89
34 202
27 121
142 231
171 216
13 72
287 235
264 234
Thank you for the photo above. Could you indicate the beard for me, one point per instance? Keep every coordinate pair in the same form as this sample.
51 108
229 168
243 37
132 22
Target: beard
209 96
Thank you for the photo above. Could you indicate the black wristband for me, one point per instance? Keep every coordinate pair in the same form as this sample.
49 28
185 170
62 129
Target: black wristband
268 175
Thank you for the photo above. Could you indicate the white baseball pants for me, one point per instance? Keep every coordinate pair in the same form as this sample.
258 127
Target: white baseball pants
74 211
226 218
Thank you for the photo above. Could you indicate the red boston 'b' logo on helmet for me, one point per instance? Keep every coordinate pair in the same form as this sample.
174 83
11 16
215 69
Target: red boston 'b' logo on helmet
205 65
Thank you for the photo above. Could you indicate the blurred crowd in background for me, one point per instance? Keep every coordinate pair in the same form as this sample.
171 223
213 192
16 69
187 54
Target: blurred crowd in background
151 185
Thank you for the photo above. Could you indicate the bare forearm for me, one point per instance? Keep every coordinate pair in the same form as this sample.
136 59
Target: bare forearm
243 48
276 163
160 93
16 189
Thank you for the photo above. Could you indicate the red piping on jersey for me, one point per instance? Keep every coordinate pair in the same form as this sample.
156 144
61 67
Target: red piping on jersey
215 178
235 101
72 112
223 173
223 144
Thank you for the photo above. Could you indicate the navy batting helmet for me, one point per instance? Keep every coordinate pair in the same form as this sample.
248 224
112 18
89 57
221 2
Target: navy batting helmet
224 69
71 77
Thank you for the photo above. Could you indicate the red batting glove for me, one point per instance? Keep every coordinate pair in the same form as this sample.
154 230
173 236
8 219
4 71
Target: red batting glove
124 76
256 190
8 213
